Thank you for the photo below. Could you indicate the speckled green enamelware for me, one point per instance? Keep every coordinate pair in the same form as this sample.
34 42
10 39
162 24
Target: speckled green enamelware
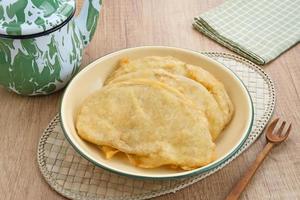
41 43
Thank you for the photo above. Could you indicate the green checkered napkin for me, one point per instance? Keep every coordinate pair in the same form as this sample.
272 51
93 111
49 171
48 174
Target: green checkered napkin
259 30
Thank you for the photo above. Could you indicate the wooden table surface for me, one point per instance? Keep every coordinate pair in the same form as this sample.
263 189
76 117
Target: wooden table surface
129 23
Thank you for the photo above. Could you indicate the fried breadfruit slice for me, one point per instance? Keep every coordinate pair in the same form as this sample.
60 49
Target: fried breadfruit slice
139 161
109 151
147 118
175 66
197 93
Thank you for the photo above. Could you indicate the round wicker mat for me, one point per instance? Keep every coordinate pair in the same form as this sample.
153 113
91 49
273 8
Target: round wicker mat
74 177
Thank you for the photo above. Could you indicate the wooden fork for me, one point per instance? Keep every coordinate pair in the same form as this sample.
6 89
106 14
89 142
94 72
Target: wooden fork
273 138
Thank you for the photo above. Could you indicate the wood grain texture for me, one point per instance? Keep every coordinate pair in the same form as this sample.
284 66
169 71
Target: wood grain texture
241 185
129 23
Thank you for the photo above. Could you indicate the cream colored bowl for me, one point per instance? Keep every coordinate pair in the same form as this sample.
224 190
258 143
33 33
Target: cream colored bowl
91 79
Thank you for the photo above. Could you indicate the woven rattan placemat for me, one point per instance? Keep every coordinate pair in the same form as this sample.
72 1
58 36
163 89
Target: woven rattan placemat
74 177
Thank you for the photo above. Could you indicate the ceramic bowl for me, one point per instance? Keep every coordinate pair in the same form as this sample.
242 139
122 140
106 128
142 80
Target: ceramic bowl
91 79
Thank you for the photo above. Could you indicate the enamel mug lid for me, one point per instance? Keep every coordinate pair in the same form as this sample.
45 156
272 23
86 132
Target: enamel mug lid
25 18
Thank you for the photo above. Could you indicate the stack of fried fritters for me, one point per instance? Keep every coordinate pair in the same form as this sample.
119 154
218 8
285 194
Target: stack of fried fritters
158 111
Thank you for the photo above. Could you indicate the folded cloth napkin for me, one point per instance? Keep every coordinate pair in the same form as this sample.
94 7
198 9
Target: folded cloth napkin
259 30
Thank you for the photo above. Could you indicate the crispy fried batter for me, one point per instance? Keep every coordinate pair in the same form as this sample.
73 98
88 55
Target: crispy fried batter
150 121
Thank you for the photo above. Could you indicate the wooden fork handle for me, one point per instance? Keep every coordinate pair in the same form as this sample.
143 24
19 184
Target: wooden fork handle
243 182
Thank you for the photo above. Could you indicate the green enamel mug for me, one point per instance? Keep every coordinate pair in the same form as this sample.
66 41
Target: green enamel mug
41 43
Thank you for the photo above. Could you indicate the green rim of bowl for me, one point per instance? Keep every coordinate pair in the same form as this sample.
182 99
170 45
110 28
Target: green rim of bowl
197 171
